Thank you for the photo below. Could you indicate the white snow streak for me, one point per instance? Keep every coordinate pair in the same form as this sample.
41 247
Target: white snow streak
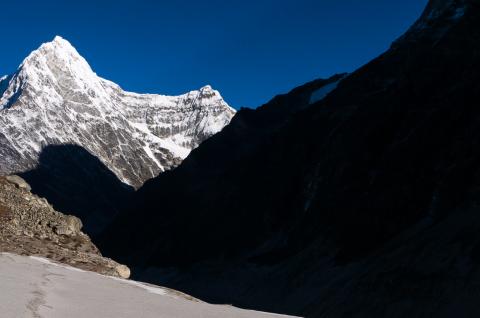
322 92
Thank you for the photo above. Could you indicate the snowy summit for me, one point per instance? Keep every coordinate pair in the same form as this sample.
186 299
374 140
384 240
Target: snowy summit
55 98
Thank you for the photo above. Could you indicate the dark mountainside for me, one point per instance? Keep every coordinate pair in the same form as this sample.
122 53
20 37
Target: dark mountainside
364 204
76 182
215 165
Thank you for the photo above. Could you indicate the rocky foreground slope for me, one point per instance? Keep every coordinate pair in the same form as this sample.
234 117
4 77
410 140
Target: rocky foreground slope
30 226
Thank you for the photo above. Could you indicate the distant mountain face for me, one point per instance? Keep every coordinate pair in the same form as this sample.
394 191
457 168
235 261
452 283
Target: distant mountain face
55 98
363 203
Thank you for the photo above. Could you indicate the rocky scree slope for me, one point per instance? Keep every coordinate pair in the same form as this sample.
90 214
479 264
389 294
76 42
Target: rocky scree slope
55 98
30 226
364 204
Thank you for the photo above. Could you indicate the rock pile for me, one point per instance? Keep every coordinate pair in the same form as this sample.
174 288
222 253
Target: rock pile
30 226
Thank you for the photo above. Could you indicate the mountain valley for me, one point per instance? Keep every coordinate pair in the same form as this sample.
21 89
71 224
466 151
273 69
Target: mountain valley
356 195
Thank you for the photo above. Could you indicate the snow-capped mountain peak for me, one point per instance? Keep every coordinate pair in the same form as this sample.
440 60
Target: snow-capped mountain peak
56 98
61 48
54 56
54 68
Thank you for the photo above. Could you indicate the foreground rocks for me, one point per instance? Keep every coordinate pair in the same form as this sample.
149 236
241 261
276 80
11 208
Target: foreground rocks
30 226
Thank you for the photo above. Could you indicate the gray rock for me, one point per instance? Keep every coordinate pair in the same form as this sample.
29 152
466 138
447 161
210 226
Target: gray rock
74 223
19 182
70 227
123 271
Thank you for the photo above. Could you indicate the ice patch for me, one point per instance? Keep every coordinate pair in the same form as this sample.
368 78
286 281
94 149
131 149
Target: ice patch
322 92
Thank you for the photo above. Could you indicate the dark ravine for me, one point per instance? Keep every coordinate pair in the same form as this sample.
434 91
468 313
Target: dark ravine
77 182
364 204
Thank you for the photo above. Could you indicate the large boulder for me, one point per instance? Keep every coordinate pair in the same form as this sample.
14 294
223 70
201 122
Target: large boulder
71 226
122 271
18 182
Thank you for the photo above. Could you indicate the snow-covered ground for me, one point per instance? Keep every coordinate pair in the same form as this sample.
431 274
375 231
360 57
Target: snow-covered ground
35 287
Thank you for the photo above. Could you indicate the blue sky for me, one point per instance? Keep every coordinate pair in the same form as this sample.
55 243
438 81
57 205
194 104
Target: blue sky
248 50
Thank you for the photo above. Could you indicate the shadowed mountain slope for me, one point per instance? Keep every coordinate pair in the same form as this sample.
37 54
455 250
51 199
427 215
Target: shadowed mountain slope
226 161
363 204
78 183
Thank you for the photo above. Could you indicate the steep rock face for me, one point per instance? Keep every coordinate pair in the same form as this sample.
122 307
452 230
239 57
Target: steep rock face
364 204
438 17
55 98
30 226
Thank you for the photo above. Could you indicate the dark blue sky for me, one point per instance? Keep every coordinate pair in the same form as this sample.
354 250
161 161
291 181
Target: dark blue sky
249 50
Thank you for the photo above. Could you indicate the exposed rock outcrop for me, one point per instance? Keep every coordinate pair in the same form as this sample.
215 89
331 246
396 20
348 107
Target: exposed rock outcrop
30 226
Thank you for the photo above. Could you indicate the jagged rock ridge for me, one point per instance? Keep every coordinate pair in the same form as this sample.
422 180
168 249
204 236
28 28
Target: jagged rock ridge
55 98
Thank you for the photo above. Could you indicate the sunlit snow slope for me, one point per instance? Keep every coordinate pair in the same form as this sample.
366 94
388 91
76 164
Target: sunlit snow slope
34 287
